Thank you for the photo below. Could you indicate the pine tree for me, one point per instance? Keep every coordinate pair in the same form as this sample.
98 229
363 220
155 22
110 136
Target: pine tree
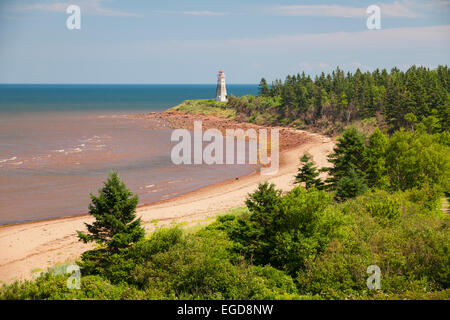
263 88
114 210
350 186
308 174
348 154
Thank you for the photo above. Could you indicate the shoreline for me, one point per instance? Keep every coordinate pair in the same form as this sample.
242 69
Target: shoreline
36 245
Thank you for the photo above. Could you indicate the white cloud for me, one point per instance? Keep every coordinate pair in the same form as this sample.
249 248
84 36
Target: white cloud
193 13
313 66
411 37
92 7
395 9
204 13
318 10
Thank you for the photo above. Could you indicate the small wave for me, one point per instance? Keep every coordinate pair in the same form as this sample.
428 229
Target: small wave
75 150
9 159
149 186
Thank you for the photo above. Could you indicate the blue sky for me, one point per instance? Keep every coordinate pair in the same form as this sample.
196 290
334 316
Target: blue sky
146 41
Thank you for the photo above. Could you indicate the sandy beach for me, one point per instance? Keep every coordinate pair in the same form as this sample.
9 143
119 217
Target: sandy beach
30 248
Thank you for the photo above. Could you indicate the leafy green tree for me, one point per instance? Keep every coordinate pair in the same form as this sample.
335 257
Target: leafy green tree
375 155
308 174
114 210
411 119
431 124
413 159
350 186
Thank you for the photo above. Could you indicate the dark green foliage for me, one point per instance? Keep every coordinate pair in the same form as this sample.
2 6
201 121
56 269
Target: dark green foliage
115 229
329 102
404 161
263 88
319 250
348 156
350 186
283 231
308 174
265 199
114 210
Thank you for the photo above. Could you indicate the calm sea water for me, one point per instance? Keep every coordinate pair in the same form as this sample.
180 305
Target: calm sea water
158 97
58 142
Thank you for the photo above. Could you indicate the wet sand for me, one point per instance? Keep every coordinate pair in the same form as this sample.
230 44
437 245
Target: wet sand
37 245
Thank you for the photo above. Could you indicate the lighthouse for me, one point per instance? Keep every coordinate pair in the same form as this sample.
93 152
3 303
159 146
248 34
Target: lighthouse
221 91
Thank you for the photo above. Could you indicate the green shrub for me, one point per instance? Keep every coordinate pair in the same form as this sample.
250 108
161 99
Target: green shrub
283 230
413 253
200 268
383 206
427 197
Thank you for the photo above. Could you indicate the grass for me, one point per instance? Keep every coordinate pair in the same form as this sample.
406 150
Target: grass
36 270
193 228
205 107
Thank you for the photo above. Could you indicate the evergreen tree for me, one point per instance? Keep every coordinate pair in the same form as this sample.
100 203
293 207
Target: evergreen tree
114 210
308 174
344 97
348 155
263 88
350 186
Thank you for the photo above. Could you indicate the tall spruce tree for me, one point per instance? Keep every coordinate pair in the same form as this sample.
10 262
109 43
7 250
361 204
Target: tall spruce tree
308 174
350 186
263 88
114 210
348 155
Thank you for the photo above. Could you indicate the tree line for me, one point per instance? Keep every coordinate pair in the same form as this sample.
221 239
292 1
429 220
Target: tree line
393 98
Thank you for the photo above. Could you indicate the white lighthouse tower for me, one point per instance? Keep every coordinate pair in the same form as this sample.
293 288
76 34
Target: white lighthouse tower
221 91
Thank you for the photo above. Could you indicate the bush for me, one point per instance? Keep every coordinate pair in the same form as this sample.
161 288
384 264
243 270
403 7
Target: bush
283 230
381 205
412 253
200 268
51 287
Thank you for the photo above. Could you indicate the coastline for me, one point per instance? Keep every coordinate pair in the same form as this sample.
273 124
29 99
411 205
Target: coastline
36 245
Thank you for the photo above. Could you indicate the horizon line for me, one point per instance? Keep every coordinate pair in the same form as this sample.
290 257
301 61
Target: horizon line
122 84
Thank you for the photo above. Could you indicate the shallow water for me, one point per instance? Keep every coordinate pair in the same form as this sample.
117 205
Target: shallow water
50 160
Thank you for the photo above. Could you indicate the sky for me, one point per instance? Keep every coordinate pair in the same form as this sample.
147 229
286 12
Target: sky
171 41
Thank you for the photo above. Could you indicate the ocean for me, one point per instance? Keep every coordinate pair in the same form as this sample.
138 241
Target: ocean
58 143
